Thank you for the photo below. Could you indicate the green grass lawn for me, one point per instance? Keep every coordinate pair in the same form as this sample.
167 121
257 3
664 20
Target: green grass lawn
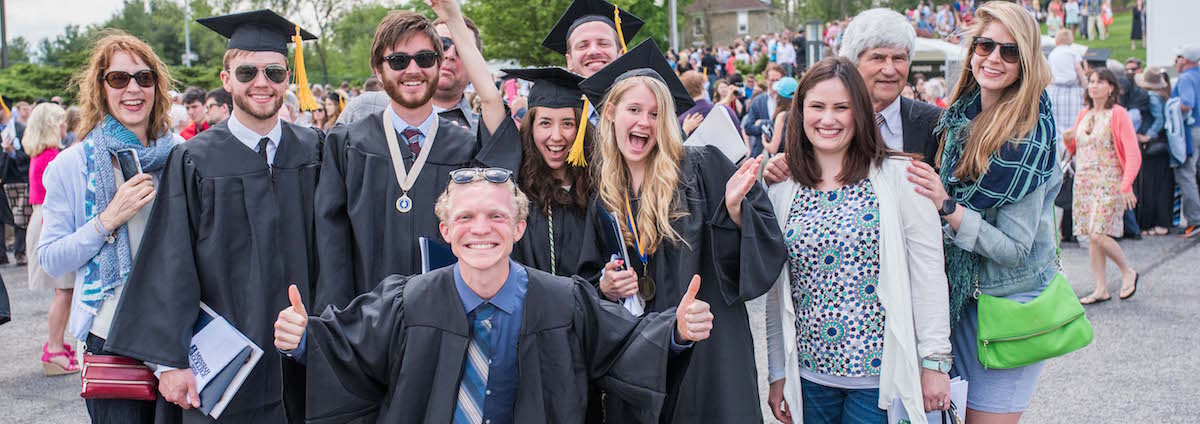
1118 39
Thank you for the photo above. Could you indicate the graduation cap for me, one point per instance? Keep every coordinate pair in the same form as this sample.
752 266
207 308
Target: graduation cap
583 11
558 88
264 30
644 60
1097 55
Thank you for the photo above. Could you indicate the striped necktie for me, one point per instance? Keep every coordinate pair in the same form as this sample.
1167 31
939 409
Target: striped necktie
412 136
879 121
473 386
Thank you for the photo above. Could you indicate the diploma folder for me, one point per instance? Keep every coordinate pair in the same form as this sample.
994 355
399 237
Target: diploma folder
220 357
958 396
718 130
435 255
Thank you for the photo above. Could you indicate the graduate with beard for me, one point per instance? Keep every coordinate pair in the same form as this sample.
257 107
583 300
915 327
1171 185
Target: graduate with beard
486 340
381 174
682 211
232 227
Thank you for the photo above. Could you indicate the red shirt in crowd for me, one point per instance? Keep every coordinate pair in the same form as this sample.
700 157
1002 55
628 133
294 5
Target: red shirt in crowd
191 130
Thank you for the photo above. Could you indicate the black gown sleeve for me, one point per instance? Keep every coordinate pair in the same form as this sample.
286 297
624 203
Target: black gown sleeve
747 260
501 149
629 357
161 298
335 236
594 252
351 352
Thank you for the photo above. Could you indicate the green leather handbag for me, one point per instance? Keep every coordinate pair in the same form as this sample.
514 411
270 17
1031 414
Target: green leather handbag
1012 334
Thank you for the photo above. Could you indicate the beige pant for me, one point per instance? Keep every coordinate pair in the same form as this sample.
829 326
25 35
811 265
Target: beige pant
38 278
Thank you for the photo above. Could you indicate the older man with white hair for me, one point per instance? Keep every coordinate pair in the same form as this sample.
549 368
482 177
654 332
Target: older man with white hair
881 43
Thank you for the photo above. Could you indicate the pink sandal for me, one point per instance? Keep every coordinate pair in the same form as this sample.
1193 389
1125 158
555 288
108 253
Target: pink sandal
51 368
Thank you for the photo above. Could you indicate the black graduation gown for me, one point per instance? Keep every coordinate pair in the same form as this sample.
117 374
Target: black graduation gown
227 232
533 250
720 385
363 237
400 350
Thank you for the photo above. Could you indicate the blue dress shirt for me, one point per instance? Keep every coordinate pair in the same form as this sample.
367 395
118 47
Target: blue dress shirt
506 328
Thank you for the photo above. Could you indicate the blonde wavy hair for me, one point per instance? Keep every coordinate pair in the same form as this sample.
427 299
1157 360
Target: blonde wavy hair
93 99
1016 111
659 203
43 129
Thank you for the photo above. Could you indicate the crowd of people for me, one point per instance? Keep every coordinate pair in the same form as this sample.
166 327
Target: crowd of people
602 267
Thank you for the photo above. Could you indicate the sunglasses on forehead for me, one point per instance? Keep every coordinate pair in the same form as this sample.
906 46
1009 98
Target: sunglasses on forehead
984 46
468 175
119 79
275 73
400 61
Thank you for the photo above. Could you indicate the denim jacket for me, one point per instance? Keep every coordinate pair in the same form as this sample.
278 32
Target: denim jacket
1017 241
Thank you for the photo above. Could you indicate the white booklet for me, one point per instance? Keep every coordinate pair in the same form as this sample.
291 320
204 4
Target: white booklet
718 130
958 397
221 358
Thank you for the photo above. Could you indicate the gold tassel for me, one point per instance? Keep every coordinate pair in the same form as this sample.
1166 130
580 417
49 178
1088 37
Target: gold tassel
5 108
620 34
303 91
575 158
704 71
341 102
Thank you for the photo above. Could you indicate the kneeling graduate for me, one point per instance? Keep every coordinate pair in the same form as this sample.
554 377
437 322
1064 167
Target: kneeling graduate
488 339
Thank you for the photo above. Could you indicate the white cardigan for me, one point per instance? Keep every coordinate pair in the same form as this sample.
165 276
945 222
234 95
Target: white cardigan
912 289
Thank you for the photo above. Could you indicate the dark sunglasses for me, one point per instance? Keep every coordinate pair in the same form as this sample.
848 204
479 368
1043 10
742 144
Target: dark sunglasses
399 61
120 79
276 73
984 46
447 43
468 175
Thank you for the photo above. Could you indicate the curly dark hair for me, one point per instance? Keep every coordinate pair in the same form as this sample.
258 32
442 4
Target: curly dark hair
537 180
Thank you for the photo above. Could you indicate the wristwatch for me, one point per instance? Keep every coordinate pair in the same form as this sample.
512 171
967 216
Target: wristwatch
938 363
948 207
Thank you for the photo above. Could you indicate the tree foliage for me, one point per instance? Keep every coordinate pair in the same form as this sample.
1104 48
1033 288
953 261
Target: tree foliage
28 81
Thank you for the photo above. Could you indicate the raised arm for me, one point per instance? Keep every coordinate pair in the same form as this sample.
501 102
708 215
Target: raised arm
492 112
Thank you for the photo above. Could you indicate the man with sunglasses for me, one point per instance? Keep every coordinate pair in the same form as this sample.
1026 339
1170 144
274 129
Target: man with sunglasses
382 174
446 346
232 226
448 101
881 43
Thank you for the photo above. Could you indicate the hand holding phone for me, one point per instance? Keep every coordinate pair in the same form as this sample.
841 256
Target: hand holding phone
130 165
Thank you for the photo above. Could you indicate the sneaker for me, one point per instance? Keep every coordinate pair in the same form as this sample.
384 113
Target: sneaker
1191 231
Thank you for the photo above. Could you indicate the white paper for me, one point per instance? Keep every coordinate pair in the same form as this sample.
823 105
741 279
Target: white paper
212 349
958 396
718 130
240 341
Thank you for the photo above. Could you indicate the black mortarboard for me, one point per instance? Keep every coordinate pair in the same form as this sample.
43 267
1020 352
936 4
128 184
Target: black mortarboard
552 87
258 31
584 11
644 60
1097 55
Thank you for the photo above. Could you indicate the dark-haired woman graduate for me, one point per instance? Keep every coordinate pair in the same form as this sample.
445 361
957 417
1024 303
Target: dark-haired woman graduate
683 211
554 142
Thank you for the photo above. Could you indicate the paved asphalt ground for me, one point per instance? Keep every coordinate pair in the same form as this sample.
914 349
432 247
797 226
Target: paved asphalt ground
1139 368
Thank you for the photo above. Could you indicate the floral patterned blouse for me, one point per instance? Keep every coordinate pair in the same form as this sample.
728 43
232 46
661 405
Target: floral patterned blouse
833 245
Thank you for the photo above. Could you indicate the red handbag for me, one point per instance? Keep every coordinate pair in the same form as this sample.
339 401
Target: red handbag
117 377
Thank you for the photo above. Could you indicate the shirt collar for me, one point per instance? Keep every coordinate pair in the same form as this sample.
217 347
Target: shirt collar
400 125
891 116
250 138
510 296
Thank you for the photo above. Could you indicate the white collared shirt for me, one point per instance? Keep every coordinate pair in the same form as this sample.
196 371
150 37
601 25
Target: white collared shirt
892 129
399 124
250 138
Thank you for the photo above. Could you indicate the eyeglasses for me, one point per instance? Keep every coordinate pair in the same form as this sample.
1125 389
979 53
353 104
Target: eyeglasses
447 43
120 79
492 175
984 46
399 61
276 73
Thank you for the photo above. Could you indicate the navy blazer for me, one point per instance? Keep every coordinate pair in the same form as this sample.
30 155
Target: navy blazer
919 119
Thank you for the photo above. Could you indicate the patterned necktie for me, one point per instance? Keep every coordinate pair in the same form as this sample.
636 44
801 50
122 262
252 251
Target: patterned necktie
412 136
473 386
262 150
879 121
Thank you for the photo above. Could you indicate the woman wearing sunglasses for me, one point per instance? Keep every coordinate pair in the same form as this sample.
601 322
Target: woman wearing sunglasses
681 212
93 217
995 186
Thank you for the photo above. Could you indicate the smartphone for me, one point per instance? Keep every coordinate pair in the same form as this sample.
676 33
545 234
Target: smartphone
127 159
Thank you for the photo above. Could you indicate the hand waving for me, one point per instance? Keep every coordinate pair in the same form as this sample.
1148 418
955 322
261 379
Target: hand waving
289 328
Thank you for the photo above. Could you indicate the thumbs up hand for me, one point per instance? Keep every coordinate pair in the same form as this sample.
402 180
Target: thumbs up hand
289 328
693 321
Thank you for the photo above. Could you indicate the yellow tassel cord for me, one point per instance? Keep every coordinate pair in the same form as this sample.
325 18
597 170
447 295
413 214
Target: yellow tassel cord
620 34
575 158
303 91
341 102
5 107
704 71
